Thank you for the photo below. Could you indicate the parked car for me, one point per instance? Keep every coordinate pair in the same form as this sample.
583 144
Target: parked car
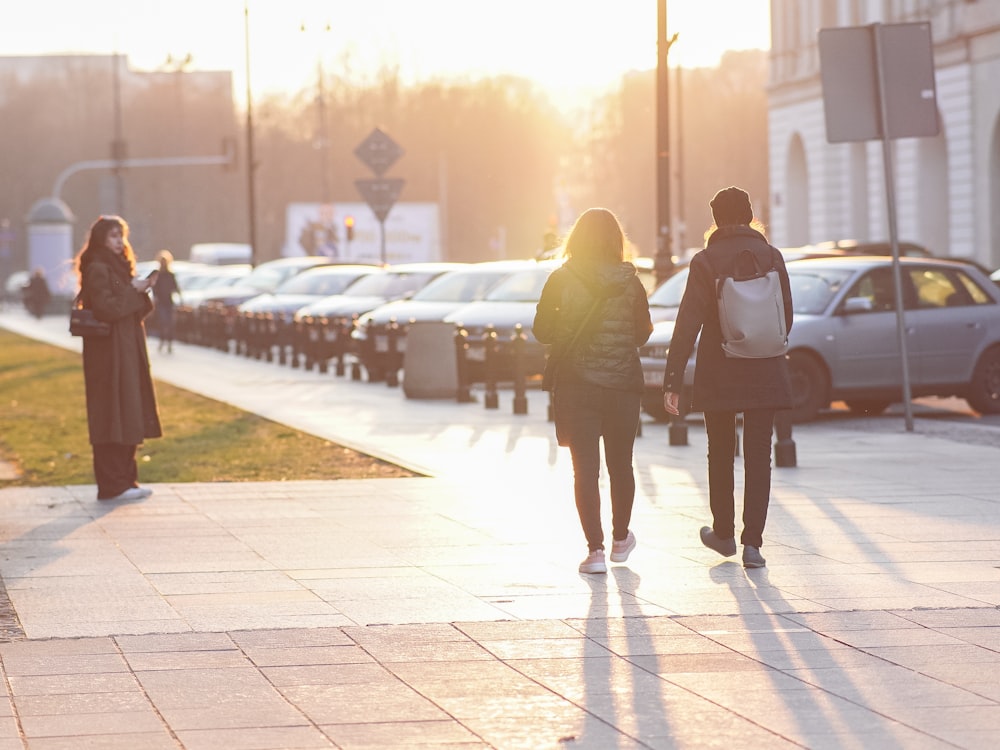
509 304
844 343
195 285
433 303
305 287
400 281
266 277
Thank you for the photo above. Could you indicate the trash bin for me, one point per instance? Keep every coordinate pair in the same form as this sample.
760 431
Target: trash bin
430 367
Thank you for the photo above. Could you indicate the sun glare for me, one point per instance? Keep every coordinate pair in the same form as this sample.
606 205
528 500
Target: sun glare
565 45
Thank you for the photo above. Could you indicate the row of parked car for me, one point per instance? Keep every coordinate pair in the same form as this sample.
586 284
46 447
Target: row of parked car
844 344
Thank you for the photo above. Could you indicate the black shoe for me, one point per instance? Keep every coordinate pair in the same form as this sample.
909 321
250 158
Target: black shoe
752 557
725 547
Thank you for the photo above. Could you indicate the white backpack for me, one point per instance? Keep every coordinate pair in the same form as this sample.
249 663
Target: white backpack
751 311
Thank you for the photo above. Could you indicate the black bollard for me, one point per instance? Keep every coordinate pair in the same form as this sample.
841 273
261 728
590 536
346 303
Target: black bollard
784 446
517 342
389 355
491 400
462 394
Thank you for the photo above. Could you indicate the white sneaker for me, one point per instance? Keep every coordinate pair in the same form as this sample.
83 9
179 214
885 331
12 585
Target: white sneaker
621 550
594 563
132 493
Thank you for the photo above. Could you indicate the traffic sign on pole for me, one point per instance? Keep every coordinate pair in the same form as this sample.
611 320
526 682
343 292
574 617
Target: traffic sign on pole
378 152
380 194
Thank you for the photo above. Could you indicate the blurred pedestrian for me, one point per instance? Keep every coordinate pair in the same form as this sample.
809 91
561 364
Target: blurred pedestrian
725 386
121 402
164 291
593 311
36 293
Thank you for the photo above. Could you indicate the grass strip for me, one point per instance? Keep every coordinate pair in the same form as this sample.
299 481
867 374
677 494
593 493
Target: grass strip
43 432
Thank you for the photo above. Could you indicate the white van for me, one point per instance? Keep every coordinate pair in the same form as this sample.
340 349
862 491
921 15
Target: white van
221 253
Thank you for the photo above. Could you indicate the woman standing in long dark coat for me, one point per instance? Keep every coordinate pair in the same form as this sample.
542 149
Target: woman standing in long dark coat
121 402
724 386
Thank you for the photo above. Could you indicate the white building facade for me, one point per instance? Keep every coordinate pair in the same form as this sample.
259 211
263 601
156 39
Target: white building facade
947 187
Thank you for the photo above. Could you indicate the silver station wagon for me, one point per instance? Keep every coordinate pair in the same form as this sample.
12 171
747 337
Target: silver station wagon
844 344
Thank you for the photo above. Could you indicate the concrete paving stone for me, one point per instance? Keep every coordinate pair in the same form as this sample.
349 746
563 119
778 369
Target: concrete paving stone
41 663
82 703
512 630
895 637
128 741
52 628
945 720
547 607
824 622
67 646
199 659
238 618
412 735
60 684
346 704
391 588
99 723
255 738
407 611
245 715
844 658
985 592
196 688
669 664
324 674
578 647
917 657
130 644
629 646
291 638
952 618
987 637
306 656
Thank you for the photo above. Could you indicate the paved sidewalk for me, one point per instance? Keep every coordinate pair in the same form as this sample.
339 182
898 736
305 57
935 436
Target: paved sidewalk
446 610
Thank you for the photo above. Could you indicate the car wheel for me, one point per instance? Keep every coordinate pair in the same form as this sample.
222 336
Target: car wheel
865 407
984 390
810 387
652 404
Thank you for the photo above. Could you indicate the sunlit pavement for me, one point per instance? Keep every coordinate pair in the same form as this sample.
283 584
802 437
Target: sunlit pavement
446 610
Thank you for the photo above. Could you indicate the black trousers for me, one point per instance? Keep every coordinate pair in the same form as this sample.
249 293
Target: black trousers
584 414
720 426
115 469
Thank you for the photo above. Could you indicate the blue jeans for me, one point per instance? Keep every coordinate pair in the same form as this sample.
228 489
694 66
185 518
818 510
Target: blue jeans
720 427
585 413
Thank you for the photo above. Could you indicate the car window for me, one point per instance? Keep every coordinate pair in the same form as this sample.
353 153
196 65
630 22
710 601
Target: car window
937 288
669 293
460 286
322 284
979 295
814 289
523 286
878 287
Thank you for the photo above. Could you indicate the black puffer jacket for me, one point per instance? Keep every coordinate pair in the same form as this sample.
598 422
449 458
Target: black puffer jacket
606 352
723 383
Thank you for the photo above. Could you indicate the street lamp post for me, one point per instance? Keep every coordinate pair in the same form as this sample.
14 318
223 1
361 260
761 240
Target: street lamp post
322 141
663 262
251 166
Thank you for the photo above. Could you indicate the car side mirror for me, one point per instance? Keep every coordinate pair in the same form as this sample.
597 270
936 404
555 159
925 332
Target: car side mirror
858 305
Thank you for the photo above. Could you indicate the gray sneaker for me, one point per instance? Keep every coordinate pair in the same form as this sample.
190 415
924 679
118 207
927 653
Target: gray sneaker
752 557
725 547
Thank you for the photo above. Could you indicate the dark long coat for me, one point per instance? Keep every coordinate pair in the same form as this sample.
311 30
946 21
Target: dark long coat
724 383
121 402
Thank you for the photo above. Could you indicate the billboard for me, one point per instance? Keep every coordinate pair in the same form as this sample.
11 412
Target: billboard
412 232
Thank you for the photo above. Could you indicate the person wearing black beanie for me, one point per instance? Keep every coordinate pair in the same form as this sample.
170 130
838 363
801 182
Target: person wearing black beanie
725 386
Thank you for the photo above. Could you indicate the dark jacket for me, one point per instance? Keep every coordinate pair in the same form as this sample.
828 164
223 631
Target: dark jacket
724 383
121 402
606 352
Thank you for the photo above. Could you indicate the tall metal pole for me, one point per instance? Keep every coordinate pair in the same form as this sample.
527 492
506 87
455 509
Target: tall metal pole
663 262
890 199
251 166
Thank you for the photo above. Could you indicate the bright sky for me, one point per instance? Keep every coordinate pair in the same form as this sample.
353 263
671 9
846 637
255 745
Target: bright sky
571 47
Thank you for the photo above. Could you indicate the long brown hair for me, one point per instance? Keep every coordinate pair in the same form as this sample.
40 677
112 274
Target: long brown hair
97 243
596 238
